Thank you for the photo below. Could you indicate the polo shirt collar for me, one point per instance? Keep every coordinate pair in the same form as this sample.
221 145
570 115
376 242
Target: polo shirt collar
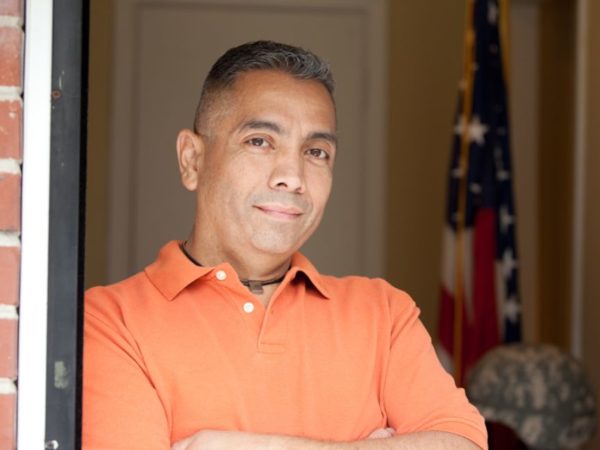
300 263
172 271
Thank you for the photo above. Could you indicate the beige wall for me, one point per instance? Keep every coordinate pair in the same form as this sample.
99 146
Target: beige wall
591 287
425 66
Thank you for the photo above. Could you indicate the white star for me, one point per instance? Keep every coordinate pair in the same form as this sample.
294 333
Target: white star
511 309
492 13
509 263
505 219
477 131
475 188
502 175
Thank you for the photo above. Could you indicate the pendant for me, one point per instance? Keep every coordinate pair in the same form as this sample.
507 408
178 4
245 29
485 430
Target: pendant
255 287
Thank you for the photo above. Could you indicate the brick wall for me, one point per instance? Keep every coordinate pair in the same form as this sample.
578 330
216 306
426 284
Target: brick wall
11 123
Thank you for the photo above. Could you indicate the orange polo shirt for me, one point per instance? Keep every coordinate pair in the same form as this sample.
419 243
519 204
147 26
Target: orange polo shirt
179 348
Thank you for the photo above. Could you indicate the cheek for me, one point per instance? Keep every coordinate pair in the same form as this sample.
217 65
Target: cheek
321 189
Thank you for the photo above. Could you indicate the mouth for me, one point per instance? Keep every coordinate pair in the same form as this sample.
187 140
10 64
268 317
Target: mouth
280 212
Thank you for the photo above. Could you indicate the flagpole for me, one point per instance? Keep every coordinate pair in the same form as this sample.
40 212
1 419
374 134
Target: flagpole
467 109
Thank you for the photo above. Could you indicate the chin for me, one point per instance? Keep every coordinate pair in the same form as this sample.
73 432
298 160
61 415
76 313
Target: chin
277 246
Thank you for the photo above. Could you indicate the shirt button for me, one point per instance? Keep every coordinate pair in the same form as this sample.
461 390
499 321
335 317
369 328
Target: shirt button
221 275
248 307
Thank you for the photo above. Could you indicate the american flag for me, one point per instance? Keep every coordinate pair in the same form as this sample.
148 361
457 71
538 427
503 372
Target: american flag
480 306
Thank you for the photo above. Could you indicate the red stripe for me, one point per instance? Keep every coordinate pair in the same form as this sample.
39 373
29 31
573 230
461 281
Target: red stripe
480 326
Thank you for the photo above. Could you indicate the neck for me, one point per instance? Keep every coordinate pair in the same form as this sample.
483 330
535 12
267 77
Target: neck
252 267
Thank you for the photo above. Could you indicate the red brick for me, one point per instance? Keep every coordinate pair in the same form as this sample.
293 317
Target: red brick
11 122
8 421
10 262
11 8
10 202
8 348
11 46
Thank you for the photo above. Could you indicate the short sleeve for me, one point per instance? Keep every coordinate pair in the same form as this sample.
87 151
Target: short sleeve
121 409
419 395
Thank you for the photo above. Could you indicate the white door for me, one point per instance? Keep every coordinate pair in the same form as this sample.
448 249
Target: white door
163 51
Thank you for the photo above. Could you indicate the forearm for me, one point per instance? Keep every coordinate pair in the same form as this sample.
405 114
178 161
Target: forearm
427 440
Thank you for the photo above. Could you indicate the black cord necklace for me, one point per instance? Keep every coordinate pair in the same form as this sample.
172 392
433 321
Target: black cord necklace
255 286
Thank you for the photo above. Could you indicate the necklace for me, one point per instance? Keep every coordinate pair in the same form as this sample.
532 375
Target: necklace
255 286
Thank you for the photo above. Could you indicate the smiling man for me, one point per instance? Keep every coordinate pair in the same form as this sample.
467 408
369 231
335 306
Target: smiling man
231 338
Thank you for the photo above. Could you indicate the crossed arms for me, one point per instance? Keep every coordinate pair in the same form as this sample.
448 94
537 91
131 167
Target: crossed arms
379 440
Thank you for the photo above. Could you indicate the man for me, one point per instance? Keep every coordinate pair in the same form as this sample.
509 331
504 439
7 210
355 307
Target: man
232 339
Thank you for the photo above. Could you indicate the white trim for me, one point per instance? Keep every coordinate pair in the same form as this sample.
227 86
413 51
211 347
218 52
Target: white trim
577 256
10 166
31 413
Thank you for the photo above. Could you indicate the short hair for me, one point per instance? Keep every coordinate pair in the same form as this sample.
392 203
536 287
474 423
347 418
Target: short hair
260 55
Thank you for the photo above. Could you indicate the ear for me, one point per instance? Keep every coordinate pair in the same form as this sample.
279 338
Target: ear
190 152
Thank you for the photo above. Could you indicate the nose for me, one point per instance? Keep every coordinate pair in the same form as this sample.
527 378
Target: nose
288 173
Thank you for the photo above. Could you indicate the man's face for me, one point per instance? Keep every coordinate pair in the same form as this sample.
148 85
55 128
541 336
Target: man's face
266 170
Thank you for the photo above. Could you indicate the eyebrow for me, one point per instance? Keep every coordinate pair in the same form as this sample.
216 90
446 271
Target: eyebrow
330 137
265 124
261 125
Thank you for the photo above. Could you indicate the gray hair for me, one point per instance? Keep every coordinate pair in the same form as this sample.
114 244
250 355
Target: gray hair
260 55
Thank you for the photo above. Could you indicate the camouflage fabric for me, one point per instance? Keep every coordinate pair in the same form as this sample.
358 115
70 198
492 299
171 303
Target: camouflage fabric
538 391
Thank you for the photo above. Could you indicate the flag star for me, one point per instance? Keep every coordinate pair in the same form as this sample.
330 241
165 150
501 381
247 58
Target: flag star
509 263
457 172
506 219
501 131
492 13
477 131
493 48
502 175
475 188
511 309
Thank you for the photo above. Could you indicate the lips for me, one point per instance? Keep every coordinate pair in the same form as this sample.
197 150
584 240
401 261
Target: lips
280 211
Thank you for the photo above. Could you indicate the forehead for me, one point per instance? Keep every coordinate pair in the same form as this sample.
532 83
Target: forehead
279 91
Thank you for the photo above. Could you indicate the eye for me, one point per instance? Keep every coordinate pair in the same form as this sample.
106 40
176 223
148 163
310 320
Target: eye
318 153
257 142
